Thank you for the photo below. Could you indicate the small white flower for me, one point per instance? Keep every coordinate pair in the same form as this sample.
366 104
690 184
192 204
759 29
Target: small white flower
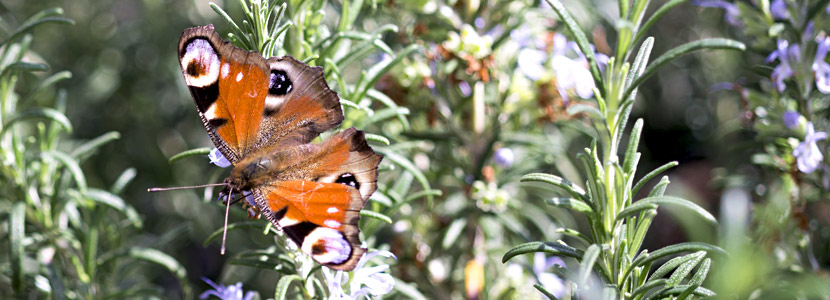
218 159
367 281
504 157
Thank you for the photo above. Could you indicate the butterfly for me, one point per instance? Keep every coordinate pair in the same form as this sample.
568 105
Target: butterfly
262 115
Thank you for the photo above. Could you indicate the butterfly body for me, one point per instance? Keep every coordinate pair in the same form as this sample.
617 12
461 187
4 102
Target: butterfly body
262 115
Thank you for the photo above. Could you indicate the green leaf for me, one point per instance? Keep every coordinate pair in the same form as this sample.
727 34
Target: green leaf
408 290
17 233
675 249
557 181
673 264
377 95
659 189
423 193
587 264
285 282
87 148
648 203
386 113
409 167
46 113
375 215
581 40
701 273
47 82
166 261
575 234
646 287
699 291
571 203
28 26
688 292
188 153
545 292
716 43
112 200
126 177
651 175
72 165
533 247
370 78
591 111
455 229
377 138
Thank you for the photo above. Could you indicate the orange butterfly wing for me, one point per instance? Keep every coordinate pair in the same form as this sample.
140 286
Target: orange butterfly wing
321 218
247 102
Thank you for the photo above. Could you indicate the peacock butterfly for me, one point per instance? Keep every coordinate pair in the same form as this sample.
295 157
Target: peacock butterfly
262 115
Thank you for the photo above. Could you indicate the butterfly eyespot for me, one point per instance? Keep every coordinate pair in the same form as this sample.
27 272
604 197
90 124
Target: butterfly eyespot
200 63
194 68
280 84
348 179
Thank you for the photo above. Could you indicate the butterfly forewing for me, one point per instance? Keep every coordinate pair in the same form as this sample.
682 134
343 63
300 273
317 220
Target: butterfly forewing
247 103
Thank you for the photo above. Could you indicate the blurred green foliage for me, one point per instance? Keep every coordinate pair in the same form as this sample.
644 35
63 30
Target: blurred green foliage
439 86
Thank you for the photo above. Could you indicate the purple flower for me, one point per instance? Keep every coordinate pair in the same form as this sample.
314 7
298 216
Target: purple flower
807 153
549 281
573 73
218 159
231 292
820 67
732 12
786 55
790 118
504 157
778 9
465 88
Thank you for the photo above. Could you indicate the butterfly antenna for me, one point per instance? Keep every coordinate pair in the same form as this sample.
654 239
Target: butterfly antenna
227 211
187 187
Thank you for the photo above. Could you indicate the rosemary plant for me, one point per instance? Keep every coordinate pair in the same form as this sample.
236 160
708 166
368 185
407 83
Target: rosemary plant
64 237
613 265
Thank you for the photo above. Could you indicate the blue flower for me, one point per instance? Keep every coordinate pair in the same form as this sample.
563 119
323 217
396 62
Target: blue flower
218 159
732 12
778 9
504 157
231 292
367 281
820 67
790 118
549 281
786 55
807 153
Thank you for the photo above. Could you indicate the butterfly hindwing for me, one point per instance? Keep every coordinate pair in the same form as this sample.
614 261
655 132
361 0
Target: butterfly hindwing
321 218
325 191
247 102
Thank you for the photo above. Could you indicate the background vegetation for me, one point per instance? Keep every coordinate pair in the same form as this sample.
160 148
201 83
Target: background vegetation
464 99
